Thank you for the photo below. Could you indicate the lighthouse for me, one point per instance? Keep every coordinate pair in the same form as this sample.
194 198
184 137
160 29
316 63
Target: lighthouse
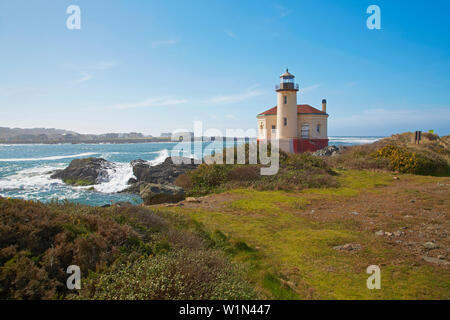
287 117
297 127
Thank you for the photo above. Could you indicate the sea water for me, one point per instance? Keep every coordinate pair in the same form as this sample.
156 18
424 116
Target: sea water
25 170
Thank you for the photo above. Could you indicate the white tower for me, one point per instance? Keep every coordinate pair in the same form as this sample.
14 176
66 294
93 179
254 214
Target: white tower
287 118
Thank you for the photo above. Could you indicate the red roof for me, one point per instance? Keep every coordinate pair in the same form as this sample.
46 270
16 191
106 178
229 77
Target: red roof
301 109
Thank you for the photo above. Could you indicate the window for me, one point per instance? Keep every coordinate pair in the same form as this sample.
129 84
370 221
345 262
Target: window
285 121
285 99
318 128
305 131
273 127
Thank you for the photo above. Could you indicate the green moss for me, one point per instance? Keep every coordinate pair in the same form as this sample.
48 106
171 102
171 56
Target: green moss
81 183
300 249
277 289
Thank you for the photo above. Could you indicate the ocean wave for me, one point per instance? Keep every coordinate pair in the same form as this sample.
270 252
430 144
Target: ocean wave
354 140
36 178
49 158
116 178
162 155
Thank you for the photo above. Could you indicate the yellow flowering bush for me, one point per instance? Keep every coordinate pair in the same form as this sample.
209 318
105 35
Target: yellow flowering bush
405 161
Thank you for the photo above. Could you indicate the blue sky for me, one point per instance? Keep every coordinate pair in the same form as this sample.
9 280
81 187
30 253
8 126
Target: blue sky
156 66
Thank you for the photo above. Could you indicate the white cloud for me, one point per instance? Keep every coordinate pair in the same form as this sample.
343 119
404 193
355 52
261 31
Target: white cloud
310 88
84 77
402 119
152 102
230 34
233 98
232 117
105 65
160 43
282 11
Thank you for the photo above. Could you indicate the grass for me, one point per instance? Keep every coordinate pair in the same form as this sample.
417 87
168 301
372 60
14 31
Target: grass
293 255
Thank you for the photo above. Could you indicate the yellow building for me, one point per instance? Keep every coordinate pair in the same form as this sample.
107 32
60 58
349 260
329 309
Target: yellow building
298 127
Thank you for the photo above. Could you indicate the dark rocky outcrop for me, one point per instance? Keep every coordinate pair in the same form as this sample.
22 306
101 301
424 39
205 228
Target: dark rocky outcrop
330 151
153 193
153 183
83 171
164 173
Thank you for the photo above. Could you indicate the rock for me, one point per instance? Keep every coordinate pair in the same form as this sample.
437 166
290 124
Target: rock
192 200
398 233
132 181
329 151
354 213
122 204
348 247
389 234
441 257
87 171
430 245
396 178
164 173
436 261
153 193
134 188
379 233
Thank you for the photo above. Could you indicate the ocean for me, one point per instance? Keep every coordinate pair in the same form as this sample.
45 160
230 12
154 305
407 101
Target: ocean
25 169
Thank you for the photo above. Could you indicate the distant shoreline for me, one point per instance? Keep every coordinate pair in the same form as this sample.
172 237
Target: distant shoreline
116 141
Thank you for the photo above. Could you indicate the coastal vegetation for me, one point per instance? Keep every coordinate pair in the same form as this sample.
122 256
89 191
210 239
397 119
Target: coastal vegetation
296 172
399 153
114 247
309 232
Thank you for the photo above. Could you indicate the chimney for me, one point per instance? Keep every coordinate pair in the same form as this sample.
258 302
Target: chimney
324 105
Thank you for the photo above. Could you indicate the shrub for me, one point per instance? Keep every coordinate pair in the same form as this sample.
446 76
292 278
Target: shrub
182 274
297 171
244 173
183 181
405 161
39 241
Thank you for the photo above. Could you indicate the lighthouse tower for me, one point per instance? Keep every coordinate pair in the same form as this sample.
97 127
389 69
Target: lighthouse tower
287 115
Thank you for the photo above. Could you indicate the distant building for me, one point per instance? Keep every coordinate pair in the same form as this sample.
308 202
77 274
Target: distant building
298 127
166 134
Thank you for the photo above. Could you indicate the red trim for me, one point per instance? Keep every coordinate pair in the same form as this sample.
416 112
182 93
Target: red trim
309 145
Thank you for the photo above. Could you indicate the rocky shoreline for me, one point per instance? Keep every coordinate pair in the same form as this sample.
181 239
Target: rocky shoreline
154 184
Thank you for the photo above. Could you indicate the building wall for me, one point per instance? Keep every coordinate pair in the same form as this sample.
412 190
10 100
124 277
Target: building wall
289 111
268 122
313 120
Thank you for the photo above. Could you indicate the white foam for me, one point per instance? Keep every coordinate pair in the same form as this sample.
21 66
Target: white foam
354 140
49 158
162 155
32 179
116 178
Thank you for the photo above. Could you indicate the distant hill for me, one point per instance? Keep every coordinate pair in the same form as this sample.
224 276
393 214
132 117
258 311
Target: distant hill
11 132
44 135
